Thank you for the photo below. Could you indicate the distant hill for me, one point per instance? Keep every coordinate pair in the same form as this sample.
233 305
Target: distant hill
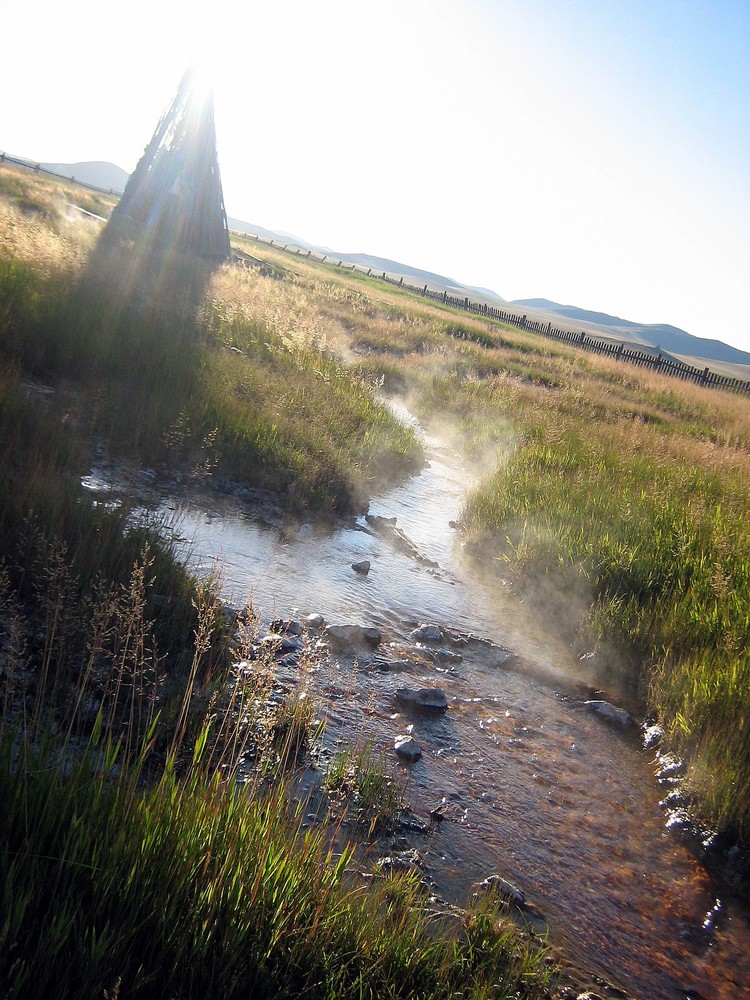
658 335
97 173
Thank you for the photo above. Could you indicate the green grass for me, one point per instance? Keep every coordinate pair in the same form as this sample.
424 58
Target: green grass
361 781
191 887
653 522
150 841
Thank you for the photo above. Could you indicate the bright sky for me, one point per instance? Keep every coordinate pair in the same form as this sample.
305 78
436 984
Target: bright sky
594 152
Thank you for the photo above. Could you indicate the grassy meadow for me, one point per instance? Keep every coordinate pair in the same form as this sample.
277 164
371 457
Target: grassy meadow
616 500
136 862
152 840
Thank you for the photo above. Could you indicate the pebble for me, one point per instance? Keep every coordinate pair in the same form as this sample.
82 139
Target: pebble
609 711
427 633
430 699
407 748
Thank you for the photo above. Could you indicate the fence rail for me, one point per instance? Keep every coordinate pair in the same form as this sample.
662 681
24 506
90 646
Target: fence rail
640 357
37 168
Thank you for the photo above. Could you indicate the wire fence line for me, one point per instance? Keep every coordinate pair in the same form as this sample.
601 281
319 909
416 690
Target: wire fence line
642 358
37 168
638 355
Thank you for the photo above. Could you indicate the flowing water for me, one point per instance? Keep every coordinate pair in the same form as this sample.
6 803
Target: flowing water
534 786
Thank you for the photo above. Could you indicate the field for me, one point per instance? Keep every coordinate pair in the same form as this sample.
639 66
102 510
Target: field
136 861
625 489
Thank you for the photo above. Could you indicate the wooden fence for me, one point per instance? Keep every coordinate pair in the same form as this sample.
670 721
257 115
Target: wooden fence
641 357
37 168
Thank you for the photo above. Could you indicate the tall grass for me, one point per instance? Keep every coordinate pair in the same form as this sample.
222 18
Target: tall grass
651 516
150 842
191 888
230 373
150 849
625 490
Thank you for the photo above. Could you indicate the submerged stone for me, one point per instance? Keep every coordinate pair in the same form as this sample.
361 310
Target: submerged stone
427 633
362 567
372 635
353 635
428 699
611 712
407 748
505 889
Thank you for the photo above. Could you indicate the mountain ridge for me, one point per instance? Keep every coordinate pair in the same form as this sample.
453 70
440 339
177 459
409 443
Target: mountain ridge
658 335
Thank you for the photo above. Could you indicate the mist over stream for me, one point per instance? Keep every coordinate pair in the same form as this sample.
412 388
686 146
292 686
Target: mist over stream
537 788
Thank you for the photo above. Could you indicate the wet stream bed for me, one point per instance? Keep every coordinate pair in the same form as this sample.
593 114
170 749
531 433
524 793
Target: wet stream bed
529 783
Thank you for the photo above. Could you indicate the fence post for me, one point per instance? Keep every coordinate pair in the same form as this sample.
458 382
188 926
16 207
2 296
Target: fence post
582 338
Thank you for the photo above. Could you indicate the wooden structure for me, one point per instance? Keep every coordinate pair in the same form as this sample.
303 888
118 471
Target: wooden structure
174 197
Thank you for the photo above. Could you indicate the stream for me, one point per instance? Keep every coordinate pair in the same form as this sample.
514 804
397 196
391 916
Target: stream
534 786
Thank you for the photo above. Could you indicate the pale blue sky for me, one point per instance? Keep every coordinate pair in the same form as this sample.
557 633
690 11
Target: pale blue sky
595 152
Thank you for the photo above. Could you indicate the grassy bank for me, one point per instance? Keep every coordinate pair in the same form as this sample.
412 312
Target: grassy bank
617 501
645 507
210 372
192 886
135 861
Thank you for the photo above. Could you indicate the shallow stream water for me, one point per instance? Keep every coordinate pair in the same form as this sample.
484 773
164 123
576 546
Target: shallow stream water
535 787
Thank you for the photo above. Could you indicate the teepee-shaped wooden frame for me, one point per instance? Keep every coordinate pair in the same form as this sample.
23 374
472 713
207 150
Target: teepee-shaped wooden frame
174 196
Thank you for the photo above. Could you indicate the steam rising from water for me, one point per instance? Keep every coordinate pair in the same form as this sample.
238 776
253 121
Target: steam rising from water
540 790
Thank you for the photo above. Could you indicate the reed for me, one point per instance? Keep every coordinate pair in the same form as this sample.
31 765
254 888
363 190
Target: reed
149 847
361 782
